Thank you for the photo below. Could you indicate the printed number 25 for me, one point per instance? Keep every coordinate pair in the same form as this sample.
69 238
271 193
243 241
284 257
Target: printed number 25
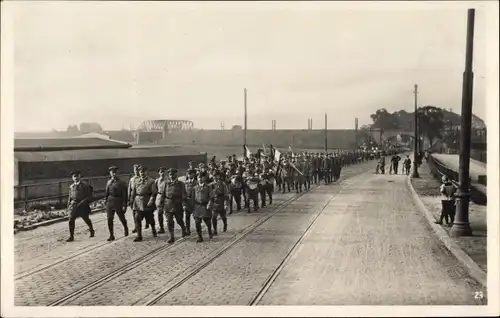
478 295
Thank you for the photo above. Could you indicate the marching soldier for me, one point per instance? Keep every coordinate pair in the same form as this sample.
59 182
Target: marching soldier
129 192
161 183
286 176
307 173
175 203
220 198
80 195
252 192
326 168
202 210
116 201
142 201
235 189
300 177
315 161
190 184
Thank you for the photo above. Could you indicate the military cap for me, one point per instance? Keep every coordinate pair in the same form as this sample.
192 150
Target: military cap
162 169
113 168
76 173
143 168
172 170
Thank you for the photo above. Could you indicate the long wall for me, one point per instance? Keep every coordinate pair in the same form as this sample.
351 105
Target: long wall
307 139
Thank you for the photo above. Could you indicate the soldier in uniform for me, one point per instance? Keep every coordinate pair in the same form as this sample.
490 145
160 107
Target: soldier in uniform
190 184
220 198
326 169
129 192
251 186
235 189
80 195
160 183
307 173
202 210
142 201
175 203
300 177
116 201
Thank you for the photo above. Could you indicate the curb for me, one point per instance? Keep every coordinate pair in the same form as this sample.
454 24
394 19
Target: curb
52 221
472 268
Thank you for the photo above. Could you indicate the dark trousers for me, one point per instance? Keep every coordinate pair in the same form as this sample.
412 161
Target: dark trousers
252 195
236 197
287 183
178 214
447 211
187 220
215 214
110 213
197 223
159 215
74 213
149 216
395 168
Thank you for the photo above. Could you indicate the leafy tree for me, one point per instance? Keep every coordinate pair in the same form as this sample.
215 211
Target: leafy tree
384 120
90 127
431 123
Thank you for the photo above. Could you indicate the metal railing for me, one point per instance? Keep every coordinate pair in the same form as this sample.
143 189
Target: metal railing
438 170
57 192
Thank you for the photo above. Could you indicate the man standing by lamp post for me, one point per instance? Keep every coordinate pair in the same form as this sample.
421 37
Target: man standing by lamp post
461 226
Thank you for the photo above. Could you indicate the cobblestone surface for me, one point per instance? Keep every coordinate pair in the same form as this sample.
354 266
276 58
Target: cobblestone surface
372 247
45 245
60 280
164 267
238 275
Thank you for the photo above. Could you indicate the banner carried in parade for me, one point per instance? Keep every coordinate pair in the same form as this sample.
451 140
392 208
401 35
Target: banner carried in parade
247 152
291 150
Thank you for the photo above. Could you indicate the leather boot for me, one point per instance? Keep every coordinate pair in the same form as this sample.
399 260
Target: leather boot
214 226
198 231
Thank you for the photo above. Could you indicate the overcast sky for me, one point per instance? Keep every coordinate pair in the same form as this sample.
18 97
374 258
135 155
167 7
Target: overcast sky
122 63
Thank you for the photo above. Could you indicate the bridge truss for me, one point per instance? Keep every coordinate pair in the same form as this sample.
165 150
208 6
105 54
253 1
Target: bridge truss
166 125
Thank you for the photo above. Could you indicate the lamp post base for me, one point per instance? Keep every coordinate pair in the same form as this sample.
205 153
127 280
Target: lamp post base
461 229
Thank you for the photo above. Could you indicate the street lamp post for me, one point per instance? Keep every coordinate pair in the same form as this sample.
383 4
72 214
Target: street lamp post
461 226
415 138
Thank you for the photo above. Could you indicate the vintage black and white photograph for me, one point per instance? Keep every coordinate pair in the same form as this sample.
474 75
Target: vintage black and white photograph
249 154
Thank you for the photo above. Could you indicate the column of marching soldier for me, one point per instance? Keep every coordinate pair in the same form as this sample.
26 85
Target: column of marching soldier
208 192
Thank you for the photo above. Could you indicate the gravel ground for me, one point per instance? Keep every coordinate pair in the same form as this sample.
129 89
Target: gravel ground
475 246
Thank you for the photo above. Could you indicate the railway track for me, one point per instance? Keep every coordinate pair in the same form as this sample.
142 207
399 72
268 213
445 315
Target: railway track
189 272
185 275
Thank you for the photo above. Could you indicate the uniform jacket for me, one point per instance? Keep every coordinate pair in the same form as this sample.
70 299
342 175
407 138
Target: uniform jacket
80 196
116 193
175 195
143 194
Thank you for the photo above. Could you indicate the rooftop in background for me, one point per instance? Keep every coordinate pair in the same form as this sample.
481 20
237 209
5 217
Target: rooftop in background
58 144
102 154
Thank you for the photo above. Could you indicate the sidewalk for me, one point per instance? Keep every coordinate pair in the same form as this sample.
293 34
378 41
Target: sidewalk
427 187
372 246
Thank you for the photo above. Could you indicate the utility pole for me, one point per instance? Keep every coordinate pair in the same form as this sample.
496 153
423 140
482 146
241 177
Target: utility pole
416 137
326 133
461 226
245 128
356 132
311 124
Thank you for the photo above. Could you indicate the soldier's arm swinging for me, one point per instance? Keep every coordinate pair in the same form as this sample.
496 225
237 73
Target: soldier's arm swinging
184 197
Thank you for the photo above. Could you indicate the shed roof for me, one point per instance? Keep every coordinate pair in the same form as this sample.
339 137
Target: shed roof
51 144
97 154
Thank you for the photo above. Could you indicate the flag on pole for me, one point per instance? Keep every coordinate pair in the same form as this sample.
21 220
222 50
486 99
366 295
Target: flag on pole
277 155
248 152
265 149
291 150
293 166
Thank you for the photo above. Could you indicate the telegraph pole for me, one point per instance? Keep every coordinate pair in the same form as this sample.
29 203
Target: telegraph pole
245 128
416 137
311 124
326 132
461 226
356 131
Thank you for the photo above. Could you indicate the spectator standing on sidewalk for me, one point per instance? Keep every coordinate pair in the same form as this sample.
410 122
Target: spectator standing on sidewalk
448 191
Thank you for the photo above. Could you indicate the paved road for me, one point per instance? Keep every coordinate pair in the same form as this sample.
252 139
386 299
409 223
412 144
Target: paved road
371 247
477 168
357 242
